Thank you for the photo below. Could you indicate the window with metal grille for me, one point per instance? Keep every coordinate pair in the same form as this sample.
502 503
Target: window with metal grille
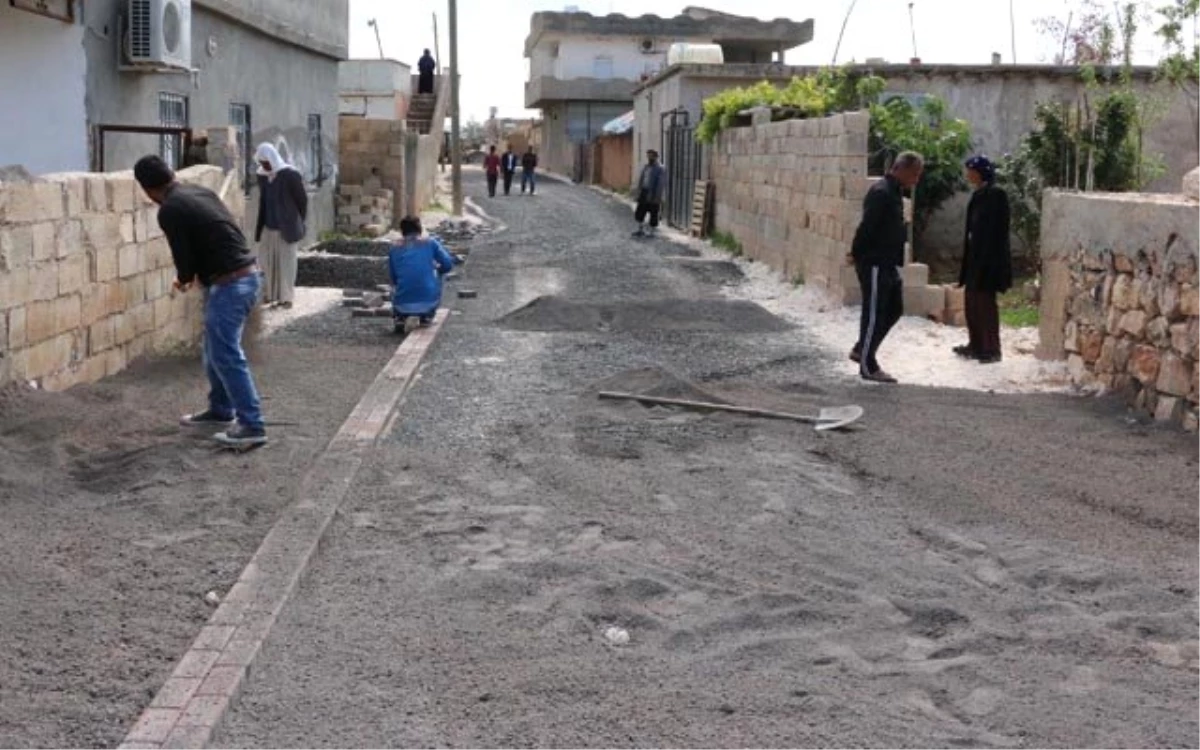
316 170
239 117
172 113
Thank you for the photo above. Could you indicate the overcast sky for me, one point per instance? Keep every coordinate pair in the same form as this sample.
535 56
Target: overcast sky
492 34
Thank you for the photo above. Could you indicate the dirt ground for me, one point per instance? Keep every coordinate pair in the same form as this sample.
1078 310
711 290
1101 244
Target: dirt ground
962 570
116 523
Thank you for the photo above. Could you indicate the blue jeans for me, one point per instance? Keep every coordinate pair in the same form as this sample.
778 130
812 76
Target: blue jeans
231 387
527 178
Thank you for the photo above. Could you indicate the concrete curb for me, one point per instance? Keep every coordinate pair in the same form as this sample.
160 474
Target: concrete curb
190 705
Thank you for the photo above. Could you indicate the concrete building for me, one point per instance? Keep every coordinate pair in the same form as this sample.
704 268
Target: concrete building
375 89
998 101
583 68
268 67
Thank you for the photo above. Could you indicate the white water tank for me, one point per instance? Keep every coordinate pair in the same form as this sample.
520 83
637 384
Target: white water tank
696 54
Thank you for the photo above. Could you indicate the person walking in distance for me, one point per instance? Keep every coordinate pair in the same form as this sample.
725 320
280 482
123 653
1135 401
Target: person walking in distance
209 249
878 256
508 165
529 162
987 261
282 211
491 165
425 70
650 186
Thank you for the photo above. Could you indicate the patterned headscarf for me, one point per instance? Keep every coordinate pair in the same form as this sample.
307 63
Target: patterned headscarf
983 166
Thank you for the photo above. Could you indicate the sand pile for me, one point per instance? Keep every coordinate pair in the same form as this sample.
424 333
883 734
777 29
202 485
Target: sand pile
556 314
653 381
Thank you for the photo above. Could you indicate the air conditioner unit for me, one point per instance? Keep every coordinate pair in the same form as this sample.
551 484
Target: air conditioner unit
647 45
159 33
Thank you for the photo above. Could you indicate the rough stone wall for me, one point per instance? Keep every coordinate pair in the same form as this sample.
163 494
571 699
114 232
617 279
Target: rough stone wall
374 148
791 193
1119 296
86 276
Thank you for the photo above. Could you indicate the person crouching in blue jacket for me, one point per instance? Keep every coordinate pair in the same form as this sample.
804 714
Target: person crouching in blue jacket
416 266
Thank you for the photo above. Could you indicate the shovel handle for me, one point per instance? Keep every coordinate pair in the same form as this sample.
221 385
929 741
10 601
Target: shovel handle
707 406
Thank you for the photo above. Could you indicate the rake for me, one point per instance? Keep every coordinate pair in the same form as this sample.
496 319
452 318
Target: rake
828 418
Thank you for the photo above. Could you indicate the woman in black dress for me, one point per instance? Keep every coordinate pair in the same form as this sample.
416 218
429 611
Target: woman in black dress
987 261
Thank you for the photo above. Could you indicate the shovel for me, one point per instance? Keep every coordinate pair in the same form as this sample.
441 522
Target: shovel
829 418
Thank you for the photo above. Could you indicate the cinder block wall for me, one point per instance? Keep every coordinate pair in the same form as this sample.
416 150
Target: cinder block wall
364 210
374 148
1119 296
791 193
86 277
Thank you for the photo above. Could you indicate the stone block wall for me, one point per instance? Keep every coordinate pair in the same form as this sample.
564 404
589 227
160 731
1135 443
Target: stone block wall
365 209
374 149
1120 296
86 277
791 193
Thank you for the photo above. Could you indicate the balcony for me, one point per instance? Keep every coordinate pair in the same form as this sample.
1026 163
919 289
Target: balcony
545 89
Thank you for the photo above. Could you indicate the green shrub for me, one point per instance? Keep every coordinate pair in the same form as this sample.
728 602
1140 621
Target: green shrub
828 91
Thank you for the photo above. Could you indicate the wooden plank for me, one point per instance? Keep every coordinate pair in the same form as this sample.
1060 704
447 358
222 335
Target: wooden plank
701 204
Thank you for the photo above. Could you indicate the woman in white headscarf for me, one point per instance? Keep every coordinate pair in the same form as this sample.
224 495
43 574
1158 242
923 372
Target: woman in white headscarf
282 211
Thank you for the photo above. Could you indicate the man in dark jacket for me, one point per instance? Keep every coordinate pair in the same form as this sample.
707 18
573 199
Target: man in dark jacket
425 68
508 166
651 185
208 248
987 261
878 256
529 164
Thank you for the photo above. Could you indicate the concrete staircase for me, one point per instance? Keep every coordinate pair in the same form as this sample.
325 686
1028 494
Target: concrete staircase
420 113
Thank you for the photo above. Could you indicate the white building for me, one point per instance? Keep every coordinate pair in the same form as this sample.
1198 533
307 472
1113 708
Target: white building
374 89
583 68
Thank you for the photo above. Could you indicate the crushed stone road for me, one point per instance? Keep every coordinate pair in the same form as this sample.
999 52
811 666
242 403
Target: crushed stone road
116 523
964 570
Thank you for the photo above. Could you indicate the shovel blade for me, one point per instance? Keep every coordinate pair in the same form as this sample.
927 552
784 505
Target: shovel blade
833 417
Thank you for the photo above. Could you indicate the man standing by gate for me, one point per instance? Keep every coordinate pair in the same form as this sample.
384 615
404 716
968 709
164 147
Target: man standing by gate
651 185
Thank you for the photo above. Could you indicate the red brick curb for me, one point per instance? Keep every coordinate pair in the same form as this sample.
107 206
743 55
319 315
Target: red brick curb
188 707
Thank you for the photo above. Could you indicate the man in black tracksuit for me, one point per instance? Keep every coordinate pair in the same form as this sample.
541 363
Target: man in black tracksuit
878 255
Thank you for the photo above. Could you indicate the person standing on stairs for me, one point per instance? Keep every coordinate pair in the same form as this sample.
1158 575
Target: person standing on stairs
425 69
877 254
508 166
282 212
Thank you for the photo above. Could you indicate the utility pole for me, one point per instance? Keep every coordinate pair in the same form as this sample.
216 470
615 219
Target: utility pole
1012 23
375 25
437 50
912 26
455 139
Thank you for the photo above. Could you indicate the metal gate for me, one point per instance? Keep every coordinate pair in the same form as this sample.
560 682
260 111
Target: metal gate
683 159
